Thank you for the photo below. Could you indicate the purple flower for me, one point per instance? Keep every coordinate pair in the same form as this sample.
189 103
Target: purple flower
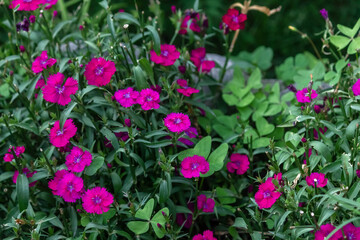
324 14
22 48
32 18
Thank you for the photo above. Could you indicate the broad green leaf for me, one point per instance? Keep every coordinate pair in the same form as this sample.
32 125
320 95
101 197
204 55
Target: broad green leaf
145 213
9 59
254 80
225 196
96 164
116 181
22 191
146 66
322 149
140 80
127 17
263 127
216 159
155 37
138 227
348 31
354 46
203 147
339 41
240 223
159 219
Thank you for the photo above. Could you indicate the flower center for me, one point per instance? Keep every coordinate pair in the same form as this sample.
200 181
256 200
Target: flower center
194 166
177 120
165 53
149 98
77 159
60 89
59 132
350 236
43 62
267 194
315 180
70 187
235 19
99 71
27 1
126 95
96 200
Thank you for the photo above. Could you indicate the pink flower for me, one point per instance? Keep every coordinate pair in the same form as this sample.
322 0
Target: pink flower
205 204
27 173
351 232
98 71
56 91
267 195
60 137
356 88
49 3
32 18
324 14
97 200
8 157
182 82
42 62
303 96
234 20
324 232
167 57
25 5
53 184
316 179
70 187
207 235
78 159
18 151
198 58
173 9
40 83
193 18
188 91
177 122
193 166
127 122
239 163
149 99
126 97
22 48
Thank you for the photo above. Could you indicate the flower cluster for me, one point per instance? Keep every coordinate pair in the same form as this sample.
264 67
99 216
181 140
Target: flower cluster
205 204
147 98
198 59
185 89
17 150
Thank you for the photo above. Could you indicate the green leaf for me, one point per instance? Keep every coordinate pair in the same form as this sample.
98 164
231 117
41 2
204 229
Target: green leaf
6 175
96 164
155 37
280 223
9 59
254 80
263 127
339 41
111 136
203 147
354 46
293 138
348 31
59 26
159 219
127 17
110 22
92 45
225 196
325 214
22 191
116 181
163 192
216 159
145 213
140 80
240 223
65 114
73 221
332 127
138 227
322 149
350 130
146 66
104 4
85 220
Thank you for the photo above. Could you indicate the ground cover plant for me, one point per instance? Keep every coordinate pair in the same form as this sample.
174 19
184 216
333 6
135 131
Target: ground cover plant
110 132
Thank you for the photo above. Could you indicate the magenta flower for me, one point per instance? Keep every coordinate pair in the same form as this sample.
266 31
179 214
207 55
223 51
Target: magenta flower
356 88
193 166
193 18
177 122
182 82
27 173
8 157
188 91
316 180
60 137
303 96
49 3
278 177
324 14
32 18
325 230
40 83
97 200
53 184
351 232
317 108
18 151
234 20
42 62
127 122
205 204
22 48
56 91
173 9
98 71
167 57
126 97
207 235
239 163
267 195
191 132
198 58
149 99
25 5
78 159
358 173
71 187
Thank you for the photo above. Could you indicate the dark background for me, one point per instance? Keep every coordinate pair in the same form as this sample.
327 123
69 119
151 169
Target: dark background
260 30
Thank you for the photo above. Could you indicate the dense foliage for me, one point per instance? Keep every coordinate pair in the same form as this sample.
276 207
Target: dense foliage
110 130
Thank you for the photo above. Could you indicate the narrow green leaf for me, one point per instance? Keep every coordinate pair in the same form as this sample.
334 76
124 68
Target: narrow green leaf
155 37
127 17
22 191
65 114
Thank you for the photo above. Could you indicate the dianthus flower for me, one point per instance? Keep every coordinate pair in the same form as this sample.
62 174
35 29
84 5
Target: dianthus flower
167 57
18 151
351 232
149 99
267 195
234 20
126 97
277 177
191 132
185 90
198 58
71 187
325 230
49 3
324 14
42 62
177 122
207 235
97 200
193 166
56 91
25 5
78 159
193 18
239 163
27 173
53 184
98 71
302 96
316 179
356 88
60 137
23 25
205 204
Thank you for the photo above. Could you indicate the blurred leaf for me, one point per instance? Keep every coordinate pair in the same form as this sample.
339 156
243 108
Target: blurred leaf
216 159
155 37
127 17
339 41
96 164
22 191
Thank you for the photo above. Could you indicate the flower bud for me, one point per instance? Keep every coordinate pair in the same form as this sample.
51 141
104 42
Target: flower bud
127 122
317 109
81 27
32 18
55 13
173 9
22 48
